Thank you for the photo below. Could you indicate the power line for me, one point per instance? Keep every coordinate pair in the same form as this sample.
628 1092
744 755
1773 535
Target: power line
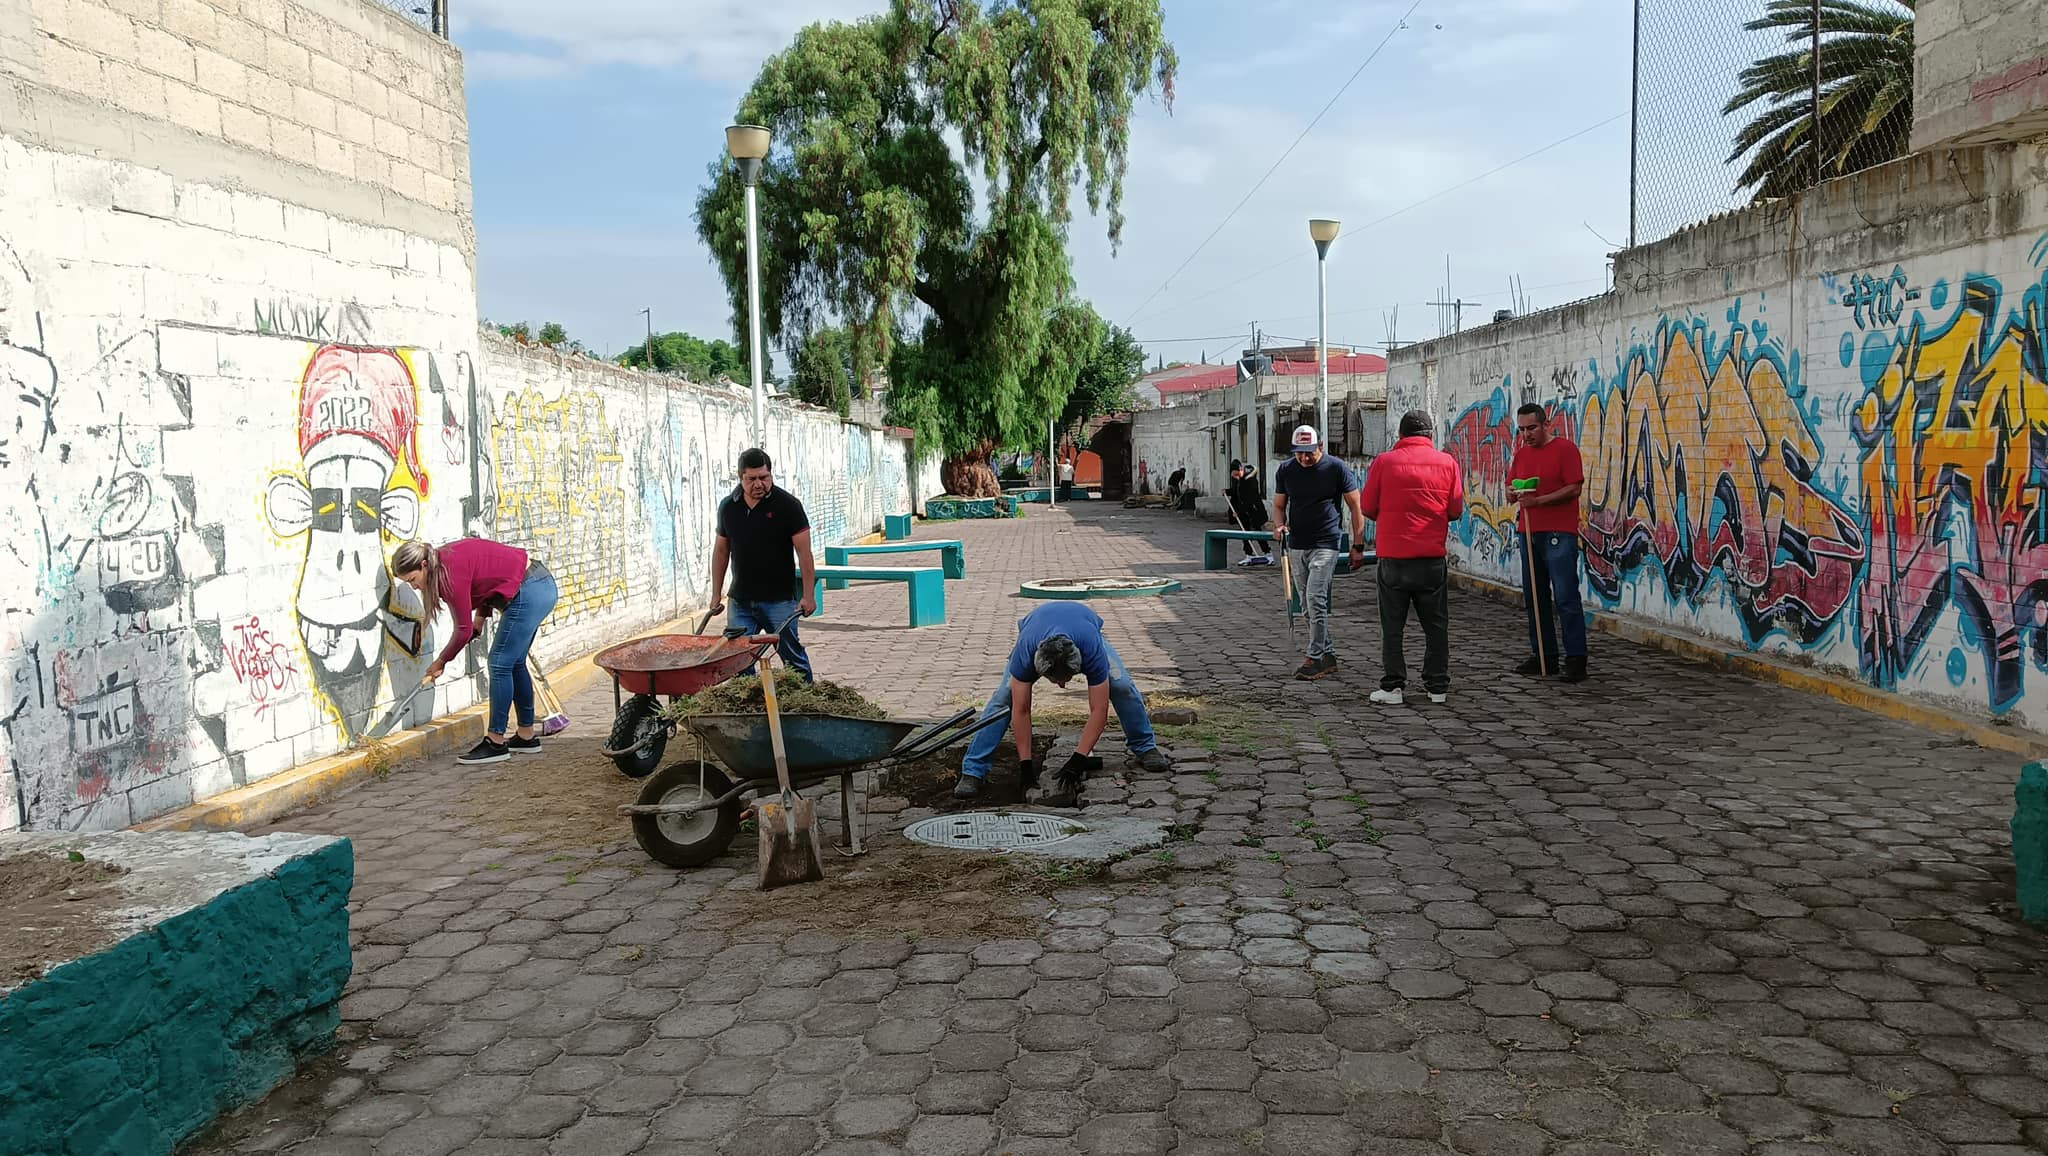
1303 135
1440 193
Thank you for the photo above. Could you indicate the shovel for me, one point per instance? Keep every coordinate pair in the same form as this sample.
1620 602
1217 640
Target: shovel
789 828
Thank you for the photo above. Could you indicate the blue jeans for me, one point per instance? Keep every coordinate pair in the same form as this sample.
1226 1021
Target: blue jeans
1314 571
763 618
1554 560
1124 698
511 681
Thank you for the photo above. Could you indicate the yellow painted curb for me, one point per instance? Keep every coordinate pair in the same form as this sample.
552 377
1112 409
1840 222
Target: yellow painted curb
1766 668
310 783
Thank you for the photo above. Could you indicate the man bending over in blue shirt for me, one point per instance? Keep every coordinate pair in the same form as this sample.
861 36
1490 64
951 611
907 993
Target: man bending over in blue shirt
1056 642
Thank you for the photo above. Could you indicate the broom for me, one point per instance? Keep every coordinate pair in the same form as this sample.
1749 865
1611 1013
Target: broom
553 719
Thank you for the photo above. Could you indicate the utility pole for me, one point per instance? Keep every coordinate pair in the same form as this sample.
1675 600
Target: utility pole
647 350
1456 305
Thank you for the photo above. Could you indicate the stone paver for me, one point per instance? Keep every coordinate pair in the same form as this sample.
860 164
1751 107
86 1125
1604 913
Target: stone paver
1668 910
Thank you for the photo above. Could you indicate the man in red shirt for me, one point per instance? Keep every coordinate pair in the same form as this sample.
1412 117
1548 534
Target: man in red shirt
1413 493
1550 544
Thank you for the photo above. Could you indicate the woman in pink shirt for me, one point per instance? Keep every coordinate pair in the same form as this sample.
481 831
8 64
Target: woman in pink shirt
473 578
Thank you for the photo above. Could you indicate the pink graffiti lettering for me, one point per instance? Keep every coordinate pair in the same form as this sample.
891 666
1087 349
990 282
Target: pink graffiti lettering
261 664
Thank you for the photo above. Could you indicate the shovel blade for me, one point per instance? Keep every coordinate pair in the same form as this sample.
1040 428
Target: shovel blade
788 858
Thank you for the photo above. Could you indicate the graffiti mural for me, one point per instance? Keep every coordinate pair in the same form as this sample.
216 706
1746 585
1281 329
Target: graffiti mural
1953 424
1698 462
356 493
561 493
1890 518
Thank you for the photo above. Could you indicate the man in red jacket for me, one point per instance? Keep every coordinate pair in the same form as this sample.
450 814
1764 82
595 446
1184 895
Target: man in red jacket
1413 493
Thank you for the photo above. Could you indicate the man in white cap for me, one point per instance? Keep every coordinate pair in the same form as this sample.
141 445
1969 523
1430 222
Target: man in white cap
1308 523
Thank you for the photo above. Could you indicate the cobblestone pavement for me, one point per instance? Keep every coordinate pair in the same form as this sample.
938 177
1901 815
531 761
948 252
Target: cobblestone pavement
1669 910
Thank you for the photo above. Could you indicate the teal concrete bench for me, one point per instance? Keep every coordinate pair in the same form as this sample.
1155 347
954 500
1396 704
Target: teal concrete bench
926 584
895 527
1216 548
952 556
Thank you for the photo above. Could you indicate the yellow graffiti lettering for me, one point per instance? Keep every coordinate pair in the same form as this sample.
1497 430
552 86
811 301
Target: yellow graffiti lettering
560 494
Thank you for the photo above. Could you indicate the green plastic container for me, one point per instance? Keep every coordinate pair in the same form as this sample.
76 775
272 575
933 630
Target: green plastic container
2030 842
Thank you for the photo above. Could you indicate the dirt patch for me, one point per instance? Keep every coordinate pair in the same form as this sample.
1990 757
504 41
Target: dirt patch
901 889
793 695
565 799
56 908
929 781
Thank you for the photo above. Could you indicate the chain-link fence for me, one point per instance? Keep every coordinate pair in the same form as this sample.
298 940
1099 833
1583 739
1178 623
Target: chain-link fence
431 15
1729 101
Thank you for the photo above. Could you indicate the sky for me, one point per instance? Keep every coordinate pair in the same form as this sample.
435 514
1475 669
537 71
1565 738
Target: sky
592 127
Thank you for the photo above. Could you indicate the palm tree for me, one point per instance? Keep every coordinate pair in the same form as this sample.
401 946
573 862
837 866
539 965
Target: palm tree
1866 93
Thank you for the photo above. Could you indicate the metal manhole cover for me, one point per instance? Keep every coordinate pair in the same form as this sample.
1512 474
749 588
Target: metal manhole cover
992 830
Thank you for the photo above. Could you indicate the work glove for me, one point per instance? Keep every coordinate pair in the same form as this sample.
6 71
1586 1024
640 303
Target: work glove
1027 773
1078 763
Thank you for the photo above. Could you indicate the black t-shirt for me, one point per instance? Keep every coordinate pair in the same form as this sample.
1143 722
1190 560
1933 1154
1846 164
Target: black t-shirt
1314 497
763 561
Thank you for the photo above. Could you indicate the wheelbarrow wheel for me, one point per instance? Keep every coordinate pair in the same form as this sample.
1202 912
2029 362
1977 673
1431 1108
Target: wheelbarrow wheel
640 728
687 840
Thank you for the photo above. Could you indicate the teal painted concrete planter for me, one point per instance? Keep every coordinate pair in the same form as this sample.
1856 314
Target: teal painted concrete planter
232 971
948 509
2030 842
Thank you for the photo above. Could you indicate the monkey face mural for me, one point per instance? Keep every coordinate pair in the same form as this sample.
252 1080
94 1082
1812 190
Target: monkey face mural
359 493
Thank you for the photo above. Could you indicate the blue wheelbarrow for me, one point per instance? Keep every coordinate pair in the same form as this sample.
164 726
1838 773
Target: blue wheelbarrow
689 812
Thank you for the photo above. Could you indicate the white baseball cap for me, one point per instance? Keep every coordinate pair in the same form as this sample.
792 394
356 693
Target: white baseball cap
1306 438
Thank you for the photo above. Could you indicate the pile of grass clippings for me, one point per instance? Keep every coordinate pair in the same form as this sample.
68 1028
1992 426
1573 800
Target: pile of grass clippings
793 695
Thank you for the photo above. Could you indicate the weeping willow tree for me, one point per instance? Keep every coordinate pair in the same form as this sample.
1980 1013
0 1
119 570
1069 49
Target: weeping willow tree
1866 94
871 216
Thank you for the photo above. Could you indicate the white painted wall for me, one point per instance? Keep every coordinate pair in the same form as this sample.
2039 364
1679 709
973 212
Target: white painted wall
1812 429
240 363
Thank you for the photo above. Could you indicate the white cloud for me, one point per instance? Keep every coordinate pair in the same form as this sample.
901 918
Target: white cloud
717 40
492 64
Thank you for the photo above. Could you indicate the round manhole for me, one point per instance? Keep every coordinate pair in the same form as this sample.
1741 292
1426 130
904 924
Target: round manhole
1112 586
992 830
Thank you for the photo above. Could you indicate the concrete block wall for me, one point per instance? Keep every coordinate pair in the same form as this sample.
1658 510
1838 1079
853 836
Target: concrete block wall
1813 428
234 381
344 103
1980 72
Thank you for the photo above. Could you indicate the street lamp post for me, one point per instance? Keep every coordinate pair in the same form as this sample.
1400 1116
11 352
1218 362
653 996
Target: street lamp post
1322 231
647 350
748 144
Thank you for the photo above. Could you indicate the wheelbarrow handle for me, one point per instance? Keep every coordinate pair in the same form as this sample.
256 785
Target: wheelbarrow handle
935 742
921 737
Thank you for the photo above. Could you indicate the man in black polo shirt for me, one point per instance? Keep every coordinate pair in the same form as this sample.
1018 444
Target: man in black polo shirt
764 534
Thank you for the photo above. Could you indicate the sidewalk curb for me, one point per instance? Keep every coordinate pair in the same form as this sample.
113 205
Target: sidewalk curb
307 784
1766 669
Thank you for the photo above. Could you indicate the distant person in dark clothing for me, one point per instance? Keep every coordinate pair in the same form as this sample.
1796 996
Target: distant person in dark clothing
764 536
1175 482
1248 502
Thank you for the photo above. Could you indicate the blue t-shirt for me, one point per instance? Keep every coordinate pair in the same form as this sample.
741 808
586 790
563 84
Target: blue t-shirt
1072 619
1314 517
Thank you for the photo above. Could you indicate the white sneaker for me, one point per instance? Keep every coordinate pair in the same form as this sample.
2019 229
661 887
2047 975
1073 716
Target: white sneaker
1439 699
1248 560
1387 697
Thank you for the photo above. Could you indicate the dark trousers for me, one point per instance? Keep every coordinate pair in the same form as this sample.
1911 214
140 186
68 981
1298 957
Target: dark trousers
1423 583
1253 520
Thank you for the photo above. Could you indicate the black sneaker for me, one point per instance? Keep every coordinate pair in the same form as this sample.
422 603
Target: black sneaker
1575 668
519 746
1316 668
1155 761
968 787
1531 668
485 751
